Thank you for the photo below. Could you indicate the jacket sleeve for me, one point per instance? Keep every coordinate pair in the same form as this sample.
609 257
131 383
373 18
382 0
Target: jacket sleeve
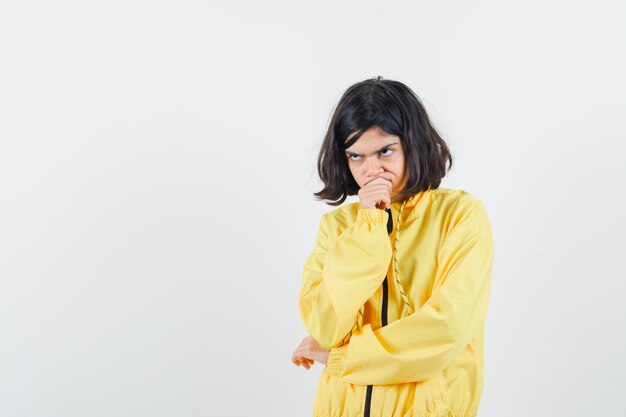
422 344
342 273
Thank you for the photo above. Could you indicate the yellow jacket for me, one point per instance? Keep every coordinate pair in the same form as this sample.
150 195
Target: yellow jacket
401 304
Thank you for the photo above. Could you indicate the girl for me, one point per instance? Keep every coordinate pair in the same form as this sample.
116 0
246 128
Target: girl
395 292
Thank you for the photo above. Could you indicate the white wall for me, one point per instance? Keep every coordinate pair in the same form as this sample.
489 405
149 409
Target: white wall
157 165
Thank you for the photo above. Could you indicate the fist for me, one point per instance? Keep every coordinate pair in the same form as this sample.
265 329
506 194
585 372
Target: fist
376 194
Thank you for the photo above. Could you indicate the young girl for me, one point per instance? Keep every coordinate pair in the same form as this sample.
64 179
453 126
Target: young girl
395 292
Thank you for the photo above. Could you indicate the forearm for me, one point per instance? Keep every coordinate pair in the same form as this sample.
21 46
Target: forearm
339 280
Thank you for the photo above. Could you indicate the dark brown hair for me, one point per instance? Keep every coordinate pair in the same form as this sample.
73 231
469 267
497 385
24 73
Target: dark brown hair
396 109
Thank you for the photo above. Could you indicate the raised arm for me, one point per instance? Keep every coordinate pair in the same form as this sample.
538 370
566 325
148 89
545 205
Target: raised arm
342 273
419 346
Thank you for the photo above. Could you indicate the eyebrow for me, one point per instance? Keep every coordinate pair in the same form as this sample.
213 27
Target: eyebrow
380 150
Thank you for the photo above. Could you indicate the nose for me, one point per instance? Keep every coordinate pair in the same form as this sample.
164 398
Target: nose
373 166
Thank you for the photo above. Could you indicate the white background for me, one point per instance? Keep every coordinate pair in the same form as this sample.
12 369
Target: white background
157 165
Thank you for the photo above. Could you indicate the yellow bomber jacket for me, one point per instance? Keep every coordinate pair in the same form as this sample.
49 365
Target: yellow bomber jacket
400 303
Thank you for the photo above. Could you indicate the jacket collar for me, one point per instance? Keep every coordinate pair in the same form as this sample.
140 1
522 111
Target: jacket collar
412 201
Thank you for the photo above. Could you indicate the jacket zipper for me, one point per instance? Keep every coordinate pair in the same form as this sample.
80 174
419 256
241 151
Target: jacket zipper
383 319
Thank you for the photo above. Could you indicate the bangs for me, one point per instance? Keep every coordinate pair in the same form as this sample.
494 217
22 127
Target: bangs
362 112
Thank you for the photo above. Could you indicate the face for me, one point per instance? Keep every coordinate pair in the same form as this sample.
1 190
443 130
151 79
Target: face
377 154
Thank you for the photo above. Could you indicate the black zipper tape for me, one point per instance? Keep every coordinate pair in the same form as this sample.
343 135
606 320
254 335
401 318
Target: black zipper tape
383 318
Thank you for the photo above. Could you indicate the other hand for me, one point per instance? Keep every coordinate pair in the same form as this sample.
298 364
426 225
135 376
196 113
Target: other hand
308 352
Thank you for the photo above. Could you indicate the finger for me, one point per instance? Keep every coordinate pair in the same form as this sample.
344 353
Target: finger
378 193
376 180
376 189
388 184
381 195
380 181
297 358
374 198
300 358
384 182
304 359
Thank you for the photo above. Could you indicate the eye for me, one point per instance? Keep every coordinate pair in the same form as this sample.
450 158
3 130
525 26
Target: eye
354 157
389 152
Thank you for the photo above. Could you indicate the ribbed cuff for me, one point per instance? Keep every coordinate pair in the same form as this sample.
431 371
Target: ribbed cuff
372 216
334 364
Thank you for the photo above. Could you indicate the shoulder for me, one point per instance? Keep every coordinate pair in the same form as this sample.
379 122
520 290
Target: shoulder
460 206
341 217
455 200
